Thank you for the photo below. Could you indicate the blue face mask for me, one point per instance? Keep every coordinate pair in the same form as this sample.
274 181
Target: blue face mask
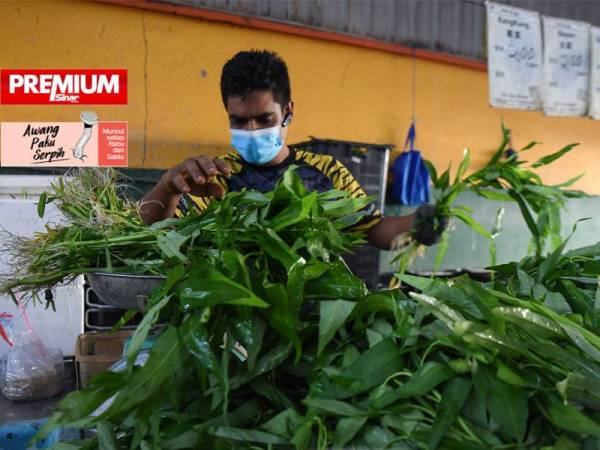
257 146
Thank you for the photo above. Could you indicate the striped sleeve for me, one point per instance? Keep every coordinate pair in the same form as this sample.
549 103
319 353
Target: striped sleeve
343 180
199 204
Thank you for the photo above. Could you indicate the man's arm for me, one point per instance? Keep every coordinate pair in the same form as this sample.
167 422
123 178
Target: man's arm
193 176
158 204
384 232
426 226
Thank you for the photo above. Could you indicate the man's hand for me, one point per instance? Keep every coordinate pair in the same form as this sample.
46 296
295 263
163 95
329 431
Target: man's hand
194 176
429 225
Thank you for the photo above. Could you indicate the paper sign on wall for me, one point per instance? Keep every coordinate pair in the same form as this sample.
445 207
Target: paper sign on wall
566 67
595 73
514 57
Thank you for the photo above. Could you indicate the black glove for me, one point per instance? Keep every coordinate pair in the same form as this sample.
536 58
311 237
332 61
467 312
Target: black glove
429 225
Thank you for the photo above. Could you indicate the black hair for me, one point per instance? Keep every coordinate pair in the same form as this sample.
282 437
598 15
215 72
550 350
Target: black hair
254 70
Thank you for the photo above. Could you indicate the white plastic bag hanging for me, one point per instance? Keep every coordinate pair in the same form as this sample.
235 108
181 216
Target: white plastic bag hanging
566 67
514 57
30 370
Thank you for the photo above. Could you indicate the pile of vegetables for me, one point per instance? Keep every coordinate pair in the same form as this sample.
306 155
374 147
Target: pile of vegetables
269 341
97 222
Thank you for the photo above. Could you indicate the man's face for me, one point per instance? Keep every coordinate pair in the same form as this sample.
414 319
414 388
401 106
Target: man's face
257 110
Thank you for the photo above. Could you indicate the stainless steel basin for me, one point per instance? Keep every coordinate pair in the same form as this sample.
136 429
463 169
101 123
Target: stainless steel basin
126 291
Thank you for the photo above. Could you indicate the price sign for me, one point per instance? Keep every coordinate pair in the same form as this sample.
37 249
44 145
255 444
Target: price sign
566 67
514 57
595 73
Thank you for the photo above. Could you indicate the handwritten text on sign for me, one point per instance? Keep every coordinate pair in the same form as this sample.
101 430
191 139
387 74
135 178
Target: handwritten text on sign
514 57
566 67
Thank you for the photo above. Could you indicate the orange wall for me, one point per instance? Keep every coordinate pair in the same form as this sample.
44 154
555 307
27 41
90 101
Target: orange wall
341 91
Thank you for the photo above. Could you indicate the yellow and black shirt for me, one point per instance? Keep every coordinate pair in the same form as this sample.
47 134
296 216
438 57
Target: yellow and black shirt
318 172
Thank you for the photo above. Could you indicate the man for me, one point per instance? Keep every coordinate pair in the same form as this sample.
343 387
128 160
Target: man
255 90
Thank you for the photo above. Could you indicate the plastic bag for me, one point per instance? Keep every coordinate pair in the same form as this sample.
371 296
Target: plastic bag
29 370
411 177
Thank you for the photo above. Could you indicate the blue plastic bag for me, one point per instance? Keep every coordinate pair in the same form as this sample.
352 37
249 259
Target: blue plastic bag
411 178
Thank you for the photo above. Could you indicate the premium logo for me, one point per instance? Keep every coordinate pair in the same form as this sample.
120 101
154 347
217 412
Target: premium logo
70 86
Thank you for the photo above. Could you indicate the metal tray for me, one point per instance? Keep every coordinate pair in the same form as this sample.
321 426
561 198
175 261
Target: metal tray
125 291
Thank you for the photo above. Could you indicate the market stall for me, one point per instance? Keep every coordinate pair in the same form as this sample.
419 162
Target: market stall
181 269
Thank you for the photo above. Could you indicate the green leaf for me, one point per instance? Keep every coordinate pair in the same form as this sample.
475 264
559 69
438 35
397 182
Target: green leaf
143 329
569 182
298 275
569 418
240 434
509 376
470 222
251 333
334 407
296 211
441 250
528 217
278 398
376 437
182 440
463 166
506 404
165 359
420 283
370 369
577 299
529 320
557 302
236 267
275 247
551 262
554 156
333 315
503 145
432 172
42 204
284 422
68 446
337 283
346 206
347 428
106 439
454 396
444 180
420 383
280 315
494 195
170 245
208 287
525 283
76 407
577 337
483 299
271 360
194 337
530 145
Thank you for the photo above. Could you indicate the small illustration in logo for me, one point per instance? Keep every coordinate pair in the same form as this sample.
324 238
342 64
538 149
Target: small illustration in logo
89 119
